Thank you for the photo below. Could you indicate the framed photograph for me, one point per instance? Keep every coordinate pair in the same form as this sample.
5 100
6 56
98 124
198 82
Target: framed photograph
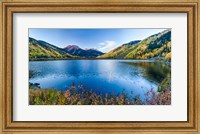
100 66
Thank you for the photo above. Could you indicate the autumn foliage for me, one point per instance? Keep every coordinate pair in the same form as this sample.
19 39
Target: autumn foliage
79 96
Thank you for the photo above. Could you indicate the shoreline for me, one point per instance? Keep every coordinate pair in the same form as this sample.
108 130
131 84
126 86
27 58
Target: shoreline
89 59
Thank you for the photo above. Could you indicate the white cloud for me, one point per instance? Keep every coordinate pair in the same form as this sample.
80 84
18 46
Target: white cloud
107 46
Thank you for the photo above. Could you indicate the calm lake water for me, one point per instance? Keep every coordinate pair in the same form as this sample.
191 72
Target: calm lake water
134 77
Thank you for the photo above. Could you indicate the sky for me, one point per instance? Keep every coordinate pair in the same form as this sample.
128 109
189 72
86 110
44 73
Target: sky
102 39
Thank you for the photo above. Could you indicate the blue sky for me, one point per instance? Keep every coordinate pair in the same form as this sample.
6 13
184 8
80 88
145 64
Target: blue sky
101 39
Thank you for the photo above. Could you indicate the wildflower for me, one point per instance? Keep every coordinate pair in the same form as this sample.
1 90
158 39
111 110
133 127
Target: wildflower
147 94
67 93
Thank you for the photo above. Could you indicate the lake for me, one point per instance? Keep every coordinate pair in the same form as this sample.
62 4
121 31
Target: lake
134 77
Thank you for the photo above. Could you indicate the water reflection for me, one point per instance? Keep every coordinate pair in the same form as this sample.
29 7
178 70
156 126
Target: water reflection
153 70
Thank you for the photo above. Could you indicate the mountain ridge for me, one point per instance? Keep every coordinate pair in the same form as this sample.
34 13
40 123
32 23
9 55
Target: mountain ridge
120 52
41 50
155 46
77 51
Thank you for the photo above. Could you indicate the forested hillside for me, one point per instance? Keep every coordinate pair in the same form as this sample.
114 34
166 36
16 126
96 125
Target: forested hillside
155 46
43 50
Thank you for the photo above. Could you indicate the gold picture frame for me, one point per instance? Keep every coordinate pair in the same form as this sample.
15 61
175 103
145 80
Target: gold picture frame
191 7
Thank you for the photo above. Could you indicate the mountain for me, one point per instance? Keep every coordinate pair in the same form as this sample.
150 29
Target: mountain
157 45
121 51
84 53
154 46
39 50
42 50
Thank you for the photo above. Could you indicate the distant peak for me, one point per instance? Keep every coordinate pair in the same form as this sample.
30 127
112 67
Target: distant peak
72 46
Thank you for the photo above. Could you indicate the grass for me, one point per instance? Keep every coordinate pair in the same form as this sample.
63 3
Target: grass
80 96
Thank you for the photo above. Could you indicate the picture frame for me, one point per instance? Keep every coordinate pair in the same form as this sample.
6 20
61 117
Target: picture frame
9 7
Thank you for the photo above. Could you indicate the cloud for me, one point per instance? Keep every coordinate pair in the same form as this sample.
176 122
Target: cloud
107 46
